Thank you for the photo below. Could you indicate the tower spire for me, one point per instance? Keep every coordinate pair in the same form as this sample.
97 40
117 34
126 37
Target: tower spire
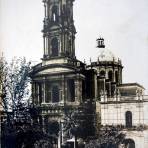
59 30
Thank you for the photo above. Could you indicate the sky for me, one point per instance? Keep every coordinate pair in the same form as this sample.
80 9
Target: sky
122 23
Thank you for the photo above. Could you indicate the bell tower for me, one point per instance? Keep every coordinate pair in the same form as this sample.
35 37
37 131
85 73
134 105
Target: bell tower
58 30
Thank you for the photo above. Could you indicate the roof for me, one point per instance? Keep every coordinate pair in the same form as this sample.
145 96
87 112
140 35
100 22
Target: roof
131 84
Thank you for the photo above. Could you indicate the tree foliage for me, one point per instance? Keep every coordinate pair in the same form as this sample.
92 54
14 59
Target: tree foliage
15 83
14 79
108 137
22 127
80 121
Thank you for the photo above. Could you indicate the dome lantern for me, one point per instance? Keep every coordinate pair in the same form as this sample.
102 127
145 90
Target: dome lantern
100 43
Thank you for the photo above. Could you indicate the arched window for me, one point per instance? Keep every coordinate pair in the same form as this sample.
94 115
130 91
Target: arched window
69 45
102 73
40 93
47 92
55 94
110 75
129 143
116 77
54 47
54 13
128 118
71 90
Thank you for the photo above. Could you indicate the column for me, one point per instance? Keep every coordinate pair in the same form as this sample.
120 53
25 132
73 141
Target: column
38 96
66 48
33 92
59 136
62 42
46 49
45 7
77 93
48 46
59 43
102 96
120 75
80 90
43 123
44 91
73 45
44 46
114 76
63 89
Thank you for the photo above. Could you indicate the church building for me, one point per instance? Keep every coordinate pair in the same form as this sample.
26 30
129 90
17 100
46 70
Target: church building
61 81
120 104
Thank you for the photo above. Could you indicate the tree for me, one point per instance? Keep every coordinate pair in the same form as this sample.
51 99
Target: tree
69 123
14 79
71 126
108 137
22 127
15 84
79 122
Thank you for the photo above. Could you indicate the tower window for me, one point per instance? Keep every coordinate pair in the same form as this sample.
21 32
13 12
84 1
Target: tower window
116 76
55 94
35 93
54 47
69 45
128 117
40 93
70 90
48 93
102 73
55 13
110 75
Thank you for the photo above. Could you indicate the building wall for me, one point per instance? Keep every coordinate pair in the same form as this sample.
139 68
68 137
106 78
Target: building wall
114 113
145 109
139 137
0 98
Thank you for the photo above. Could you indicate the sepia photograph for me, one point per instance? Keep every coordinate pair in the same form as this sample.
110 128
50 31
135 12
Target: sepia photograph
73 74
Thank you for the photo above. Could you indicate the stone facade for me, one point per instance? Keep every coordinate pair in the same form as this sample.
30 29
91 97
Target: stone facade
61 81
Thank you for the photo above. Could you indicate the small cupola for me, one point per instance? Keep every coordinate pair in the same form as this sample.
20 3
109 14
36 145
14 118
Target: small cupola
100 43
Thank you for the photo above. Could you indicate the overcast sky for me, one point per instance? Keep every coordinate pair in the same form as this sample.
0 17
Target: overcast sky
123 24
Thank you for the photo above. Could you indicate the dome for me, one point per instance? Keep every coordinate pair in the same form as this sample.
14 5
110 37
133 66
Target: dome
106 55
